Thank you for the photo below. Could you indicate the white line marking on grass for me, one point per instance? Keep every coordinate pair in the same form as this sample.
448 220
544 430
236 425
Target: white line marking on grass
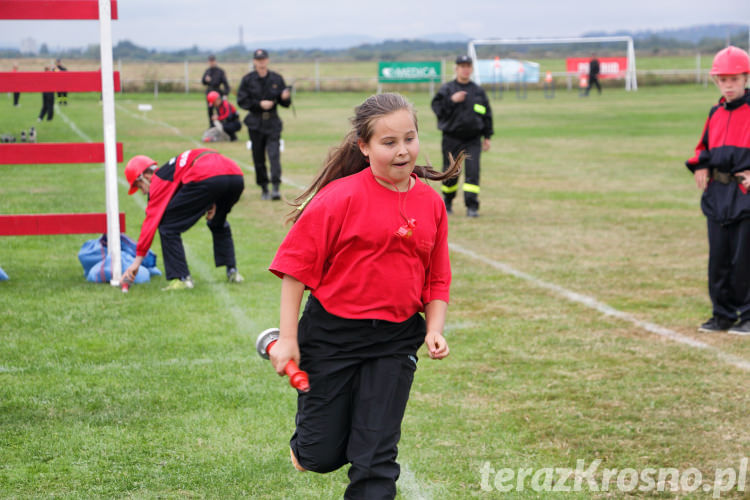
11 369
410 487
72 125
605 309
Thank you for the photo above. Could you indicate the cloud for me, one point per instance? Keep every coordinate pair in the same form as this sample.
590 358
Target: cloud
213 25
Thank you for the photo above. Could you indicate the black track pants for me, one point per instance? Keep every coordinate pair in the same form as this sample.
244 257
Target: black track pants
729 269
361 372
187 206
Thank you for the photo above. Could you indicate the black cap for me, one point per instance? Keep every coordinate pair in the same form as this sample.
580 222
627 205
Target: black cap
463 60
260 54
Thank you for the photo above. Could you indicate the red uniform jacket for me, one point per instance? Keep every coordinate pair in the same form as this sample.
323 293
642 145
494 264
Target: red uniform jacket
725 147
165 182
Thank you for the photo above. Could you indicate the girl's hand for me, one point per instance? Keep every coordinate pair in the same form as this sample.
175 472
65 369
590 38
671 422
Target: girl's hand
436 344
701 178
282 351
129 274
745 174
211 212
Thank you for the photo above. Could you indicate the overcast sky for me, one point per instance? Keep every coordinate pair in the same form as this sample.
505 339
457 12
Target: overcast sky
215 25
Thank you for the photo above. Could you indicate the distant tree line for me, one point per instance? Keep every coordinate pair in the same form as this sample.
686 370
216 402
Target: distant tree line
395 50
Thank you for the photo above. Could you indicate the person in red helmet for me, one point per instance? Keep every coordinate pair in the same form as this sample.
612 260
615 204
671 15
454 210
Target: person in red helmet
197 182
721 168
225 115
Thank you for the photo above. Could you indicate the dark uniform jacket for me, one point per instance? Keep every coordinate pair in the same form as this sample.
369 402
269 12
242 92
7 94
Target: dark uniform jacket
467 119
724 147
218 80
254 89
594 68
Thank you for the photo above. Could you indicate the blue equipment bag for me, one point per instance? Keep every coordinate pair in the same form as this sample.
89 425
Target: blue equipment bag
97 264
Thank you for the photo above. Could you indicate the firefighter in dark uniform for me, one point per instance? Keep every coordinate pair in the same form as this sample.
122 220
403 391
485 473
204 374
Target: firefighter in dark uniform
62 97
214 79
261 92
464 116
48 104
594 70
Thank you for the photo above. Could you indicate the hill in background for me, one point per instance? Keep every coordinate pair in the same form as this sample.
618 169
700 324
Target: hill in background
703 38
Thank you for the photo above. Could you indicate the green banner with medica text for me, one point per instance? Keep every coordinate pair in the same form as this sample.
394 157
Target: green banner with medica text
408 72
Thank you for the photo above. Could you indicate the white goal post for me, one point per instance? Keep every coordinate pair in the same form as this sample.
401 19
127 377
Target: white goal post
630 79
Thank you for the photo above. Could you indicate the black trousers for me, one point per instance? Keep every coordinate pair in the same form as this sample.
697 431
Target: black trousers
16 96
188 205
211 112
262 143
361 372
593 80
48 106
473 148
231 127
729 269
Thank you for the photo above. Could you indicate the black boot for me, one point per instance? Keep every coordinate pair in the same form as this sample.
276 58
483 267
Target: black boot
448 204
275 195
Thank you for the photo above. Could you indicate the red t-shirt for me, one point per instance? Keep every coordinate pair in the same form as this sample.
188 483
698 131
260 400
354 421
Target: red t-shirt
169 177
345 249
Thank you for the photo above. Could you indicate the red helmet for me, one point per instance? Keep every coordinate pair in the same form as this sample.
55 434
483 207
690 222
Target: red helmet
135 167
731 61
212 96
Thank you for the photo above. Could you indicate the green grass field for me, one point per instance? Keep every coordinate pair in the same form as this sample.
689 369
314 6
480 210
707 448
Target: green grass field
161 395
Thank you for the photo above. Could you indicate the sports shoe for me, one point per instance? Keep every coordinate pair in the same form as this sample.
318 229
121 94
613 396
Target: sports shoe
265 195
234 276
472 212
275 195
741 328
179 284
716 324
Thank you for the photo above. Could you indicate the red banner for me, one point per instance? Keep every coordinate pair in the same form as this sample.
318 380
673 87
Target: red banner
609 67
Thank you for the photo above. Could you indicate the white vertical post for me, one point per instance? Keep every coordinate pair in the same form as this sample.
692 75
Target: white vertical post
110 145
472 52
631 83
698 67
317 75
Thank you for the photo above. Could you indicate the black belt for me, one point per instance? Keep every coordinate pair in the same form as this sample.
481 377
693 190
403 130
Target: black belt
726 178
